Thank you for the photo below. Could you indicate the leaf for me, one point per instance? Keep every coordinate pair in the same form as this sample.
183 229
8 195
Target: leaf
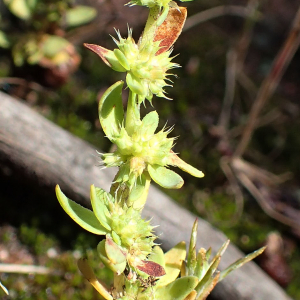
117 268
240 262
170 29
178 289
206 280
98 200
79 15
81 215
113 252
149 124
192 258
208 287
151 268
111 112
138 194
173 262
157 256
192 295
107 56
53 44
89 274
174 160
165 177
20 8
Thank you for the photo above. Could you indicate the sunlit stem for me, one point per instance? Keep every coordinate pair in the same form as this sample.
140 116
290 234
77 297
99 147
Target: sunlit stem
89 274
151 25
133 113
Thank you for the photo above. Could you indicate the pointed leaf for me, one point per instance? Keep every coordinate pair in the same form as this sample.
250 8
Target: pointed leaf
191 259
208 277
173 262
99 208
202 264
174 160
89 274
165 177
208 287
81 215
107 56
178 289
240 262
111 113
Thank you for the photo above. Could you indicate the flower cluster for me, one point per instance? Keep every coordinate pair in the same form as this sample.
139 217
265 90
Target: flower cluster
146 71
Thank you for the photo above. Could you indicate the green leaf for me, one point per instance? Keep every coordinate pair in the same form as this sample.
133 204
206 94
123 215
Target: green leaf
240 262
113 251
178 289
99 199
149 124
138 194
165 177
192 258
208 287
173 262
174 160
209 276
80 15
111 112
81 215
53 44
122 59
135 84
157 256
20 8
117 268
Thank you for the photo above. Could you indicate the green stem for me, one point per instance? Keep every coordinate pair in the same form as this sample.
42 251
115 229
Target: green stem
133 113
151 25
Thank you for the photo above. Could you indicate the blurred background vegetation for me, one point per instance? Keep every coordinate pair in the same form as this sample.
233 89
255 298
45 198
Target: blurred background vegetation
226 52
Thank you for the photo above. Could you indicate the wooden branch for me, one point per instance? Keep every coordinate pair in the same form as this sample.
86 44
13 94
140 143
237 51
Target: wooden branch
47 155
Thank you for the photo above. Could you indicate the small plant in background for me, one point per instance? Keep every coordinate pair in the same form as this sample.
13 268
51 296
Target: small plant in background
37 36
141 269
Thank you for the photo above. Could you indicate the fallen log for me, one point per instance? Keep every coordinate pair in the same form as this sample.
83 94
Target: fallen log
46 155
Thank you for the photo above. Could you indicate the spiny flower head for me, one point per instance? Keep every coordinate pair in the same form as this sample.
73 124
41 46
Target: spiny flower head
129 238
140 152
146 71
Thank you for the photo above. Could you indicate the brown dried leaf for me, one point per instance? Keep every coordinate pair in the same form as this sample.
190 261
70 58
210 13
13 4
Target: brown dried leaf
151 268
169 31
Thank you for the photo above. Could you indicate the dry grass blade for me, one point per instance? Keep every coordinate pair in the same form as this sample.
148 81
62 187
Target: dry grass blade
270 83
